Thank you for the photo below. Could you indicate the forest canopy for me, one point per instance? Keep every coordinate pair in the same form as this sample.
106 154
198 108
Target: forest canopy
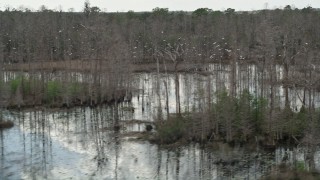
204 34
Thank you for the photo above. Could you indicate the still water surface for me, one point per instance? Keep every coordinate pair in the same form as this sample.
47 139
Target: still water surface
81 143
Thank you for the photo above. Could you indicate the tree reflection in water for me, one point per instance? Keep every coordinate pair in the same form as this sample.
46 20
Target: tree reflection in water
88 142
82 142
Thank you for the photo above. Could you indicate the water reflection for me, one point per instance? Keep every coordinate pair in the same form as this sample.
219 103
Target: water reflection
82 143
198 92
95 142
151 92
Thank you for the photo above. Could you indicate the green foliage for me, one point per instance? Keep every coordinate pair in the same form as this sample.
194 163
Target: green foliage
160 11
143 16
222 96
259 109
301 121
131 14
243 112
86 8
242 115
95 9
74 89
293 124
22 82
15 83
225 113
201 12
224 106
53 90
216 13
230 11
300 166
26 85
238 118
307 9
288 8
172 130
1 84
128 108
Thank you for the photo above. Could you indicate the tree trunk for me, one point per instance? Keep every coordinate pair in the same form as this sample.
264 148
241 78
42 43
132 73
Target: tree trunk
286 89
177 89
158 92
233 82
167 98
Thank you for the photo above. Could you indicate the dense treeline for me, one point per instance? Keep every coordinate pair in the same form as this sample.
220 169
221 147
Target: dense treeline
287 37
283 44
202 34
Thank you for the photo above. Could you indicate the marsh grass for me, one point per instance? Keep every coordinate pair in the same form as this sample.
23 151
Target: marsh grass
45 90
53 91
15 83
75 89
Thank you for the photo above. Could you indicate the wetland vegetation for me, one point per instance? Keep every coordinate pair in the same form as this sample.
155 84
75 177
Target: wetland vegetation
205 82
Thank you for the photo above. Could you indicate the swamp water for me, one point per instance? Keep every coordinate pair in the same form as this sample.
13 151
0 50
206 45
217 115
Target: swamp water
78 144
81 143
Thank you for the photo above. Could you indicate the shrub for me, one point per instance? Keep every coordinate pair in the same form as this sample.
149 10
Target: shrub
300 122
22 82
1 85
298 172
14 84
300 166
53 91
26 85
171 130
74 89
259 110
239 117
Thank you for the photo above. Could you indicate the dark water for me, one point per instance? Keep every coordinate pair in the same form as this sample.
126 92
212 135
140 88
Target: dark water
81 144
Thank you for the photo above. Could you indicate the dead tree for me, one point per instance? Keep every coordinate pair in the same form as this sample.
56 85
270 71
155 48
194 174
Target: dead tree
174 54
